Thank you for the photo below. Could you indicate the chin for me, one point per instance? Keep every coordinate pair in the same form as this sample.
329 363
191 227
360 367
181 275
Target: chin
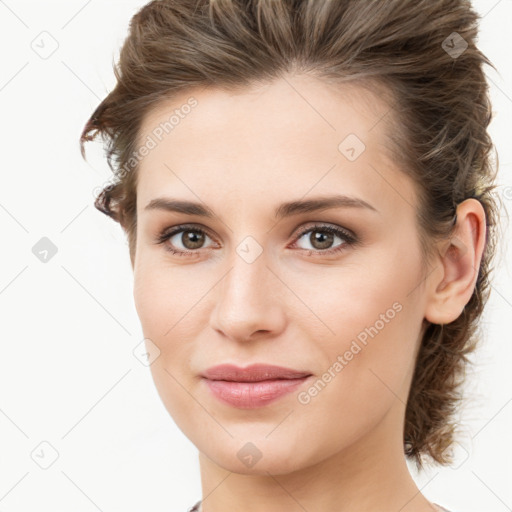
257 457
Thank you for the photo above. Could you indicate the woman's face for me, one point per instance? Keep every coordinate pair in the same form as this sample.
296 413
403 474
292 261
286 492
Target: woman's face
344 306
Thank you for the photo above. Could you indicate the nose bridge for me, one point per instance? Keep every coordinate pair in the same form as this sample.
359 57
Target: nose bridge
248 278
245 302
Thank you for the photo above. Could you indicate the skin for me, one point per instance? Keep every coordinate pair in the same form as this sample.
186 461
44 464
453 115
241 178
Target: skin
242 154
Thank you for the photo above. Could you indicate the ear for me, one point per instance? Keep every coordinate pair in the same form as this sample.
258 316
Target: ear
451 283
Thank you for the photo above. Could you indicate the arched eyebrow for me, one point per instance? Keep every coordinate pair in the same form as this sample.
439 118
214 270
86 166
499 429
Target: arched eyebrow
320 203
287 209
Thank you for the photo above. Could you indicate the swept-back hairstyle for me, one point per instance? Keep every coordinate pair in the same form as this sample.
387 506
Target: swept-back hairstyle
421 53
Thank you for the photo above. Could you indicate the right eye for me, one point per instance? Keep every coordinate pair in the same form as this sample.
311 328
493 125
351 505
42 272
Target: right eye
191 239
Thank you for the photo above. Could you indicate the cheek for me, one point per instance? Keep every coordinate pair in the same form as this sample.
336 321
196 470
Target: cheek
368 361
160 292
162 304
373 311
171 312
150 301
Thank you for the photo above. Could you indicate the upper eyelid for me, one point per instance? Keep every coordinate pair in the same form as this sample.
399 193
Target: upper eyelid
186 227
320 224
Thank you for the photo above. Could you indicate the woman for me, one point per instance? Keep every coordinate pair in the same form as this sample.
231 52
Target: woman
306 190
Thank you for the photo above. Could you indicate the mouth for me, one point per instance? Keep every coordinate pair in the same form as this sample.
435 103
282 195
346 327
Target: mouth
254 386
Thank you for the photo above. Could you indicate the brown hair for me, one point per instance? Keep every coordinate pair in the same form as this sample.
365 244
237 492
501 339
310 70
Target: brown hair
415 49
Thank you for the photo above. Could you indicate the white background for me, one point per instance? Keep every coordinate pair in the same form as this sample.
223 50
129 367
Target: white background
68 375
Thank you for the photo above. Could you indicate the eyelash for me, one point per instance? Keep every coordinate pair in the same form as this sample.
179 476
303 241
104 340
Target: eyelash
348 238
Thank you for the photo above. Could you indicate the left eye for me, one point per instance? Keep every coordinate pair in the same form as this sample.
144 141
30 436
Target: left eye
322 238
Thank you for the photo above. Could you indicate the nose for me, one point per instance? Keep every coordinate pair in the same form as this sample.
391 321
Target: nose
249 301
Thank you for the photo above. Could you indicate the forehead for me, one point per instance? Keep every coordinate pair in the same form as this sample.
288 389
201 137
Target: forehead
299 103
291 135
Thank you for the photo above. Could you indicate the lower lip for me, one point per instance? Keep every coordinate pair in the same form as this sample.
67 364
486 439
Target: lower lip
250 395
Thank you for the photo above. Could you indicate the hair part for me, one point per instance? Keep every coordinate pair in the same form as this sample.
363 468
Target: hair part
439 108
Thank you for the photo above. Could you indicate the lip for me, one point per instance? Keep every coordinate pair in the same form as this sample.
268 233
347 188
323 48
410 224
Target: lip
254 386
253 373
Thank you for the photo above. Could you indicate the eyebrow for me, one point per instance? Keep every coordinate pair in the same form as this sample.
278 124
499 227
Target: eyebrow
283 210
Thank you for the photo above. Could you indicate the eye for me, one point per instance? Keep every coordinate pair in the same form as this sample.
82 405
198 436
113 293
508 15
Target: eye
189 237
321 237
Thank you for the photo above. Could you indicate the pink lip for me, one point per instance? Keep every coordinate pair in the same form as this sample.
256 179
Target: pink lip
253 386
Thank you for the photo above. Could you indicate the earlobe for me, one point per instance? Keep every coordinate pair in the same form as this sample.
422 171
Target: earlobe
452 283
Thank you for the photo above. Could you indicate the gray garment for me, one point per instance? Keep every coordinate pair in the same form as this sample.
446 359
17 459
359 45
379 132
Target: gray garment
198 508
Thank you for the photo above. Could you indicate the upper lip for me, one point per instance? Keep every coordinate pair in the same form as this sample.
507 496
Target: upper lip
252 373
